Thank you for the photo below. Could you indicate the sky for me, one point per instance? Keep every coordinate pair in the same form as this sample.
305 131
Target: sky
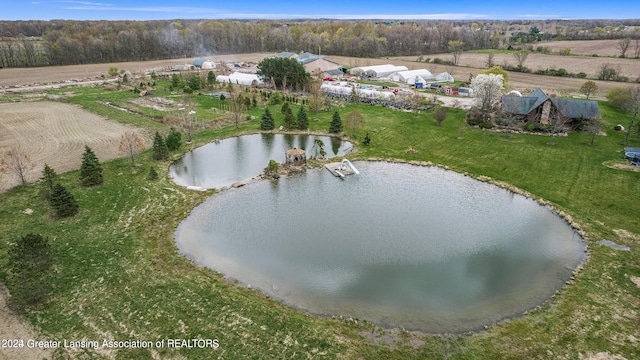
317 9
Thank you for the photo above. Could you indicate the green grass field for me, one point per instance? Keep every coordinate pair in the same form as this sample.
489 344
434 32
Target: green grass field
119 275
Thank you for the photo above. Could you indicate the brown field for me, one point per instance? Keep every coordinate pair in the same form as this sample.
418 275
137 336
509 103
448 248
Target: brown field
589 47
56 133
92 72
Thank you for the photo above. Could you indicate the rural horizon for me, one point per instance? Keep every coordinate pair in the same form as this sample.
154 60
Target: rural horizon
332 10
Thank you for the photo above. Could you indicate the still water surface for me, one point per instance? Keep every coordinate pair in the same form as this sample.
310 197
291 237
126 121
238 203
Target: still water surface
398 245
220 164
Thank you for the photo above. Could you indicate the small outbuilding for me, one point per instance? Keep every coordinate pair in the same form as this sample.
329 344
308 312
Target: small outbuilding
204 64
296 156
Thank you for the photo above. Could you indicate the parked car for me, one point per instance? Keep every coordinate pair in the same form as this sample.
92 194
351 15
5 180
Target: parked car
434 86
465 91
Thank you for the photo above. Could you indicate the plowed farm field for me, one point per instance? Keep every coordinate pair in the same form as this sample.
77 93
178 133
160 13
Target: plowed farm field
56 134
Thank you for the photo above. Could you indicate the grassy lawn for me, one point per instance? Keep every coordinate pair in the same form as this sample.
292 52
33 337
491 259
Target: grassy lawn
120 276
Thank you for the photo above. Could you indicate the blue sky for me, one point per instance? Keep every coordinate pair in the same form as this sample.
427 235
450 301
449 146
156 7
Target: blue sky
345 9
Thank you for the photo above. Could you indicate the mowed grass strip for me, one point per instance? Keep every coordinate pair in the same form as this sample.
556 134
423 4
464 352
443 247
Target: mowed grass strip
119 275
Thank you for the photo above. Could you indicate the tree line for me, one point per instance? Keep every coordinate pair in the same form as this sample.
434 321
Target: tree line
69 42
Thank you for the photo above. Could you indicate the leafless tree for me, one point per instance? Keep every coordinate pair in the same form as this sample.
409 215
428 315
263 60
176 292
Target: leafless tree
316 97
131 145
623 46
456 47
558 124
355 121
489 63
16 162
237 105
593 128
521 57
440 115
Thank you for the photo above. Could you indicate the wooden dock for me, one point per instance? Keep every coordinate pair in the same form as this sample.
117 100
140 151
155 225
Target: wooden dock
338 170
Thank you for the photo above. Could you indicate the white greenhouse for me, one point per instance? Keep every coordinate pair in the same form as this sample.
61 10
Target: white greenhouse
241 79
377 71
444 77
410 76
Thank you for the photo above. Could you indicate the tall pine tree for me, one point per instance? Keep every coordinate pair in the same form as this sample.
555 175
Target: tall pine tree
303 120
266 122
63 202
174 140
90 170
49 178
160 150
336 123
289 119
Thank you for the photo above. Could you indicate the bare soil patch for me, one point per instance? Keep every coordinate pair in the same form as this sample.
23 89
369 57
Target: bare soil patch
56 134
589 47
94 72
14 327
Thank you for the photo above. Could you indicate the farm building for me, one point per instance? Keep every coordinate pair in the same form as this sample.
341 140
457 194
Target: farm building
443 77
286 55
204 64
313 64
410 76
344 89
185 67
377 71
540 108
241 79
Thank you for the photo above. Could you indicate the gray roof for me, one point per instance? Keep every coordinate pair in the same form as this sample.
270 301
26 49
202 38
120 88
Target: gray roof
574 109
285 54
518 105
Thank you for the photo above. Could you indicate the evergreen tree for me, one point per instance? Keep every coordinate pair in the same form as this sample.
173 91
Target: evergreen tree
63 202
303 120
289 119
285 107
49 178
211 78
367 140
153 174
160 150
336 123
174 140
90 170
30 260
266 122
254 101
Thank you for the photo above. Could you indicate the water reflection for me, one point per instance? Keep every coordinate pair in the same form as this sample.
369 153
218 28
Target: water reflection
399 245
220 164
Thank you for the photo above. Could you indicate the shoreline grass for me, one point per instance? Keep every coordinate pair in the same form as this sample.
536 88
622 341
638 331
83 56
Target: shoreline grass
120 276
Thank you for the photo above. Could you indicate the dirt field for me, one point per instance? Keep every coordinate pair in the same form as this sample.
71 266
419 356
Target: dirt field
590 47
58 74
14 327
56 133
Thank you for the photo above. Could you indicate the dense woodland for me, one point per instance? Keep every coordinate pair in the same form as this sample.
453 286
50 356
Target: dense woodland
66 42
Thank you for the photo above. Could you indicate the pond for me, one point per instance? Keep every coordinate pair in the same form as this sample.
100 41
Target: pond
399 245
220 164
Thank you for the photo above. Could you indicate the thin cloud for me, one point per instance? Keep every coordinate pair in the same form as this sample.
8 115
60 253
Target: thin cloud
88 3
